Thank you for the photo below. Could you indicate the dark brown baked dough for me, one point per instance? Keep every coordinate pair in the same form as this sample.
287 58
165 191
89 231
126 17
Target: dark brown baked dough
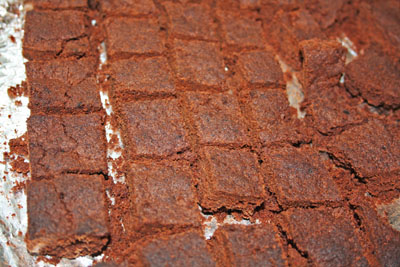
58 4
376 78
47 33
153 128
127 36
255 245
230 179
66 144
141 77
198 62
162 197
66 71
53 96
369 149
198 93
275 121
191 20
217 118
176 250
299 176
127 7
66 216
328 236
260 68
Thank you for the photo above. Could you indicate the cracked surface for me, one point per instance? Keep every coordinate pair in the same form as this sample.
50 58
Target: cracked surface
333 243
384 239
276 122
68 71
299 176
47 31
66 144
369 149
208 134
69 206
231 186
378 83
53 96
332 110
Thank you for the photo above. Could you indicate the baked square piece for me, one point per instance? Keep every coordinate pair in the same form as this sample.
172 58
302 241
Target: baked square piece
134 77
241 31
328 235
287 29
260 68
381 232
217 118
276 121
162 197
67 216
66 143
322 63
230 179
329 107
370 149
56 96
66 71
130 36
199 62
299 176
191 20
180 249
153 128
255 245
376 78
48 32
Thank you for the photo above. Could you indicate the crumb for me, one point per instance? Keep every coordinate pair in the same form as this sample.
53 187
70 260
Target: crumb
51 260
19 146
19 186
18 90
12 38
